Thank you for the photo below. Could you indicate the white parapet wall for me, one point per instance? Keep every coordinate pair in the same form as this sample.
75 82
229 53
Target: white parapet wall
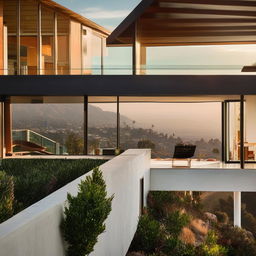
36 230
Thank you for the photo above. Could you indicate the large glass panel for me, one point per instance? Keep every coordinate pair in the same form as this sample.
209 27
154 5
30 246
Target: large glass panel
233 131
102 122
48 128
63 44
162 126
28 41
47 42
118 61
250 128
249 211
10 20
96 55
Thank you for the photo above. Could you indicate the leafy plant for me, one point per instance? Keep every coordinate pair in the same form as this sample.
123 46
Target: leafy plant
175 222
85 215
6 196
211 246
148 236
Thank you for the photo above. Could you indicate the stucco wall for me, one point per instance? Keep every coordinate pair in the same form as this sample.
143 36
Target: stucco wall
35 231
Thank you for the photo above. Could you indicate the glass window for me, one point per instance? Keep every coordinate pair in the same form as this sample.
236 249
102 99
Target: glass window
47 42
96 55
28 40
10 19
63 44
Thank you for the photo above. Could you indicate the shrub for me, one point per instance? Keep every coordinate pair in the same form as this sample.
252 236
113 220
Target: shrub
175 222
36 178
239 241
148 236
85 215
211 247
222 217
174 246
6 196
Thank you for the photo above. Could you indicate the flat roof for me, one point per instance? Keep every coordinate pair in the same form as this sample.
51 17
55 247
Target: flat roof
188 22
76 16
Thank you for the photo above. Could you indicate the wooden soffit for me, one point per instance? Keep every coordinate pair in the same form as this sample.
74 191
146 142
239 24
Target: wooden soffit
188 22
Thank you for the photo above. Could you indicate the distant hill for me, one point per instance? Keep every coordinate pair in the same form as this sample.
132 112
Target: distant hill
61 116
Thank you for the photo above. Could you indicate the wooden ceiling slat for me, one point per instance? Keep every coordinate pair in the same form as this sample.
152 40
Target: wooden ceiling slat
197 21
213 2
157 10
195 34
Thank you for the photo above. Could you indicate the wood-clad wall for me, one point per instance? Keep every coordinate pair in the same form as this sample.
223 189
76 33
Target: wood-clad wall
75 48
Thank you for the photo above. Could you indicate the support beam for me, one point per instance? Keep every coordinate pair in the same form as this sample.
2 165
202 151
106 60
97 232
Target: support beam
118 123
237 209
86 125
139 54
18 38
8 126
223 131
2 150
1 38
242 131
39 40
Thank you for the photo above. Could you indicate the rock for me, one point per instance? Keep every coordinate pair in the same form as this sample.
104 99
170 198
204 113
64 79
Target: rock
199 227
211 217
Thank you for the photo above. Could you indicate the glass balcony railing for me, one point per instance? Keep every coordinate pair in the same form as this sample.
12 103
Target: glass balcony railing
50 146
146 70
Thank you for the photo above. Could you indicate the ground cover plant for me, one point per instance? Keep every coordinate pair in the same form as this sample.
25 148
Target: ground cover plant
23 182
175 224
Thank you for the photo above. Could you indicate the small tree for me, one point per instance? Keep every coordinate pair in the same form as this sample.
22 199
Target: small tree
85 215
6 196
74 144
146 144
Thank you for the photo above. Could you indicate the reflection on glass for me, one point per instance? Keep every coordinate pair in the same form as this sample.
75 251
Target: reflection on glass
28 55
233 131
47 42
10 15
96 55
63 45
102 122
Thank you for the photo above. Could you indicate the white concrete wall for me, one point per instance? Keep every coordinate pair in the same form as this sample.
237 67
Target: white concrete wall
35 231
203 180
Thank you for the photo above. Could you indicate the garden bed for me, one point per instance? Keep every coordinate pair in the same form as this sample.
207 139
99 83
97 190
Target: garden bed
23 182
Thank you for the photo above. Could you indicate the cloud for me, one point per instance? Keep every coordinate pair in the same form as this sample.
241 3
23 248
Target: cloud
99 13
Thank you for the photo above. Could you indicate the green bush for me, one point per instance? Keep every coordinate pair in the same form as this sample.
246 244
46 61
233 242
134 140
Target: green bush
173 246
85 215
6 196
148 236
175 222
222 217
211 247
36 178
239 241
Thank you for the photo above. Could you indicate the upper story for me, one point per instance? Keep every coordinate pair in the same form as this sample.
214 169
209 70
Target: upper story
41 37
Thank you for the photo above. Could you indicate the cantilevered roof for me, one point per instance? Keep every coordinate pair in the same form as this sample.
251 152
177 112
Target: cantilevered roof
188 22
59 8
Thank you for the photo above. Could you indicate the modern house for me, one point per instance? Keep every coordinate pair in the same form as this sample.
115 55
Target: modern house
48 53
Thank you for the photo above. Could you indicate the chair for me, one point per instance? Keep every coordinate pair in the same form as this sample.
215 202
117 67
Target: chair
183 152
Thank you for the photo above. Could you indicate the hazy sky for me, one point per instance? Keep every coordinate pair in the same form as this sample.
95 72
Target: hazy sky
172 117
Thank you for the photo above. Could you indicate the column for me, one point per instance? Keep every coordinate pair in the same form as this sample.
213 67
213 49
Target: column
237 209
85 125
118 123
8 126
1 38
242 131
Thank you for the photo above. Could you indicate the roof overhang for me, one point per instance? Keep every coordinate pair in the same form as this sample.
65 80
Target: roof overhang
188 22
59 8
